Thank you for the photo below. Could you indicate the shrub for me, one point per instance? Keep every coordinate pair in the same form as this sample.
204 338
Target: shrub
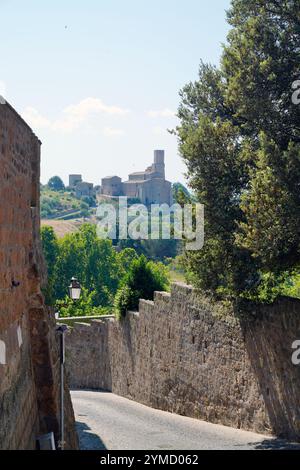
80 308
124 301
144 277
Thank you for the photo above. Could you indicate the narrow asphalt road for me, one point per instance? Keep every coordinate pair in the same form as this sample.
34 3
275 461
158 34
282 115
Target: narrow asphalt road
107 421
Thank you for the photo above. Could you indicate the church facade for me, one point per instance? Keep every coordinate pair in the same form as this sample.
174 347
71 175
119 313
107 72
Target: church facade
149 186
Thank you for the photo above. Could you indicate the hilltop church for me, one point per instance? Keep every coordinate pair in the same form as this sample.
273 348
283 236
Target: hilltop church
149 186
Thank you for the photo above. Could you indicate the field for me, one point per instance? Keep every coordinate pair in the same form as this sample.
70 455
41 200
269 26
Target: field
62 227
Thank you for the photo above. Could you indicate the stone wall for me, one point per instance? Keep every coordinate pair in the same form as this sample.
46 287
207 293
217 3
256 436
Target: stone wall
177 354
29 366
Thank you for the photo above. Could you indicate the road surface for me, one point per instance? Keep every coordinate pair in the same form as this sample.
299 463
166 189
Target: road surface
107 421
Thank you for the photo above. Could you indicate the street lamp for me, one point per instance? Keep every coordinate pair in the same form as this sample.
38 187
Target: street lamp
74 289
74 293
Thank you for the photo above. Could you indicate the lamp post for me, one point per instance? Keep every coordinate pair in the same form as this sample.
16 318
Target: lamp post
74 293
74 289
61 330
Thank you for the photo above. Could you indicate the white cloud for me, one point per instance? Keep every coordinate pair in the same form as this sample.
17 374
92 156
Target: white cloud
161 113
75 115
35 119
112 132
89 105
72 116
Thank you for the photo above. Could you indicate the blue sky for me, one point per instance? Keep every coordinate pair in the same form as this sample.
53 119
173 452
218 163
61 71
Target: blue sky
98 81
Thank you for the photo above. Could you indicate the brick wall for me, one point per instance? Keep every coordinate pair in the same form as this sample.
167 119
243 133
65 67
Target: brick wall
177 354
28 351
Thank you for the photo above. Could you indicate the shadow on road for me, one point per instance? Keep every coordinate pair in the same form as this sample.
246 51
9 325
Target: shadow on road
88 440
275 444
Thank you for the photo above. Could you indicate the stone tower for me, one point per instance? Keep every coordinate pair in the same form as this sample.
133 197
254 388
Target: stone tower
159 163
74 179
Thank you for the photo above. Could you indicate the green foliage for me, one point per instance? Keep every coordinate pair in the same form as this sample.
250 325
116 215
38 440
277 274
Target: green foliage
181 194
272 207
156 249
83 307
56 184
83 205
61 204
291 286
273 285
125 300
143 278
239 136
92 260
126 257
89 201
100 269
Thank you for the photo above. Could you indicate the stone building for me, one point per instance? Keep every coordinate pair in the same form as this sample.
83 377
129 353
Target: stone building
82 188
149 186
74 179
29 356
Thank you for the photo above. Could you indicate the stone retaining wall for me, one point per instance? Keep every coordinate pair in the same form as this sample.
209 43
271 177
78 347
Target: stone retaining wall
178 355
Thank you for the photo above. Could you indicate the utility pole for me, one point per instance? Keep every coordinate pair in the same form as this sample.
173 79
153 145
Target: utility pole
74 293
61 330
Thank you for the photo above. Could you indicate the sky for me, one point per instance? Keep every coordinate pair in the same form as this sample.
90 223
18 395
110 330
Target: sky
98 80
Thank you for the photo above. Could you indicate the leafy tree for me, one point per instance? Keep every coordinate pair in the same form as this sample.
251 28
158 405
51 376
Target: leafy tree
92 260
181 194
239 136
272 209
56 184
84 306
143 278
159 250
90 201
100 269
126 257
259 65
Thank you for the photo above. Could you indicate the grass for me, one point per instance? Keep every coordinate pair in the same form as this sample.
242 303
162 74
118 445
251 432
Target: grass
62 227
60 204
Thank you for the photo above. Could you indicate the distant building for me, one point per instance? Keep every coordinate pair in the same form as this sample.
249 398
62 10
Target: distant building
74 179
111 186
84 189
149 186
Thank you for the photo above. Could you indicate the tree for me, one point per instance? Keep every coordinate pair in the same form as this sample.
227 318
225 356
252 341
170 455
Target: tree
260 63
181 194
144 277
56 184
239 136
92 260
100 269
272 208
84 306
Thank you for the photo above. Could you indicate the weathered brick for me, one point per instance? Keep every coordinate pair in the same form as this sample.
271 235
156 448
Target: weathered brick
29 378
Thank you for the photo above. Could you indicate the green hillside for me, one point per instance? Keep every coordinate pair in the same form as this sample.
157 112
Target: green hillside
64 204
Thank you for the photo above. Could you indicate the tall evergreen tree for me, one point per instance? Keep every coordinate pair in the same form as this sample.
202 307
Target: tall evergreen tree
240 138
